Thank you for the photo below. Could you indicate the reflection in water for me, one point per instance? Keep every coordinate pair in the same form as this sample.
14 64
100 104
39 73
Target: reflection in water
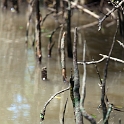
23 93
19 106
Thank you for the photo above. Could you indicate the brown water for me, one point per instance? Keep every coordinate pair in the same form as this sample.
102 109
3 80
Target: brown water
23 93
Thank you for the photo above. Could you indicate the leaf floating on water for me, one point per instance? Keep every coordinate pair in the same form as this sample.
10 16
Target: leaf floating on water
94 116
20 27
119 107
43 30
49 35
57 97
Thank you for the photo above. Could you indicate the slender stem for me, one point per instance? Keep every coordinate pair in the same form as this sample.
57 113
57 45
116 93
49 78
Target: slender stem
42 114
78 114
63 63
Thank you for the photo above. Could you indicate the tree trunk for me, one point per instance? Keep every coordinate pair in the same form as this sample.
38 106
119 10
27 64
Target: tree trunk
38 31
69 44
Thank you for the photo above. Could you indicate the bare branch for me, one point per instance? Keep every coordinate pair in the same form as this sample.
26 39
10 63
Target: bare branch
42 114
51 43
108 113
103 90
88 25
121 44
84 9
64 111
92 62
112 58
46 17
63 64
83 94
97 71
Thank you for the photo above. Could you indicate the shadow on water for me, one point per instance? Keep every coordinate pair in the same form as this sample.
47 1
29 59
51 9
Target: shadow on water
23 93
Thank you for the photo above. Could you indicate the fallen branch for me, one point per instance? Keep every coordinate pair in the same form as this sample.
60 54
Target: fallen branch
42 114
46 17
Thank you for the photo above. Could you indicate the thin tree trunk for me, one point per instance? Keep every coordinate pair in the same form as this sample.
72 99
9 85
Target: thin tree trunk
38 31
15 5
78 114
5 5
63 63
69 44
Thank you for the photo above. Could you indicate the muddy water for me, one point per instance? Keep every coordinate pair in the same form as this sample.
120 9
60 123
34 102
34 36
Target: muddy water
23 93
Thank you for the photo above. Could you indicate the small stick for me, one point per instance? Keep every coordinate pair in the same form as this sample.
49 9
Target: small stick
121 44
112 58
42 114
46 17
64 111
50 44
108 113
60 36
84 9
63 64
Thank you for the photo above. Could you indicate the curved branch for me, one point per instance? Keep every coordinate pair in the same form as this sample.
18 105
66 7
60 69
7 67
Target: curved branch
42 114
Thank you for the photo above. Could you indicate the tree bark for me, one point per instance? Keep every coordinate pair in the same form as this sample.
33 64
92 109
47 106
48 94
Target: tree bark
78 114
69 44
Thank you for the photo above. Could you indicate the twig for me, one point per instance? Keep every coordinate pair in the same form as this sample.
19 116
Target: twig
60 36
83 94
88 25
91 62
63 64
84 9
103 90
64 111
38 31
31 5
71 91
110 24
78 114
119 121
121 44
46 17
97 71
42 114
112 58
68 20
50 44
